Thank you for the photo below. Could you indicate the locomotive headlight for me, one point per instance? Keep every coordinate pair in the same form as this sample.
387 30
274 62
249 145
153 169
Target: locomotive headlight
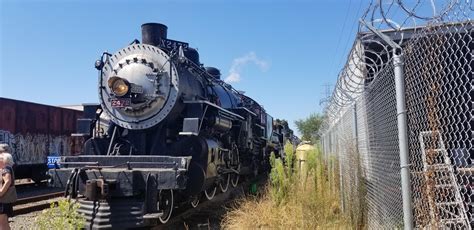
118 85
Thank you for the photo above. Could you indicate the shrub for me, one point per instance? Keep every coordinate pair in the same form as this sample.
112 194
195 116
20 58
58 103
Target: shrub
64 215
279 181
282 175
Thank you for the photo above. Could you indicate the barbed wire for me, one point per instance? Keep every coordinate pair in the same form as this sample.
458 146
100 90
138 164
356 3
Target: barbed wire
365 62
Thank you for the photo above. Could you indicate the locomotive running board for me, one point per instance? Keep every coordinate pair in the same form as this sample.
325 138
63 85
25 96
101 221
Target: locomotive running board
225 111
135 161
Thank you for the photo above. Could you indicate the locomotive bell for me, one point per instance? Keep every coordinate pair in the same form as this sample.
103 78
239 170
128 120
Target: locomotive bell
139 86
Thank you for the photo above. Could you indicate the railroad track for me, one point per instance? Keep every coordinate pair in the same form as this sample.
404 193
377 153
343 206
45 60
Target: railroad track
35 203
29 185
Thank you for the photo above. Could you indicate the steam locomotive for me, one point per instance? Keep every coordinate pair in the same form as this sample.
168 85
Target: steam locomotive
177 131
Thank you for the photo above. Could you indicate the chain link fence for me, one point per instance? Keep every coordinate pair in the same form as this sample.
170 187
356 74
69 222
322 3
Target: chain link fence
361 127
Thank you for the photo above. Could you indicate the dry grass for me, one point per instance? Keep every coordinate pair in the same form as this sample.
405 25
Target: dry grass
302 211
305 204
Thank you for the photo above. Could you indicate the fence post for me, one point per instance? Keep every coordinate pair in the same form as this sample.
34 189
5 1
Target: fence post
354 125
341 177
355 142
399 64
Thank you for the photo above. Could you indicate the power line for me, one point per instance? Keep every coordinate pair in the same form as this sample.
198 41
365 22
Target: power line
351 31
340 36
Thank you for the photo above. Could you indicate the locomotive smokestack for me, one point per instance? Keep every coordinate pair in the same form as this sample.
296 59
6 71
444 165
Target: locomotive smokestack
152 33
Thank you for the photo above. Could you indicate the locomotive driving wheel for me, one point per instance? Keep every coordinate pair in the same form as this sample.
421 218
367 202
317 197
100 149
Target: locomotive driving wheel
195 201
235 164
165 204
210 192
235 177
224 184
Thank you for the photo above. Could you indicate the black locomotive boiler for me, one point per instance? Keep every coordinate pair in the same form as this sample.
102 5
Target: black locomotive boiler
176 131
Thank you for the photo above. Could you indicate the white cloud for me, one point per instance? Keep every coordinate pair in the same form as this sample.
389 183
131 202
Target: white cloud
239 63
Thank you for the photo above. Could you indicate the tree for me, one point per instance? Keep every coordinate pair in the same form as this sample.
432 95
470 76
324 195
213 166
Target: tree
309 126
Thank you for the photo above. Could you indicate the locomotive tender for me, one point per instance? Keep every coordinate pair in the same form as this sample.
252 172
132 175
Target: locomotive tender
177 131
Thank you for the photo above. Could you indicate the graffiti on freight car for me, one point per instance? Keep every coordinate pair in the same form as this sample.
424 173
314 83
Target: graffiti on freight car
34 148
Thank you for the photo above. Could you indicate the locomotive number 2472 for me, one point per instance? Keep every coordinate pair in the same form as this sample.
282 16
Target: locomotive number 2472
120 103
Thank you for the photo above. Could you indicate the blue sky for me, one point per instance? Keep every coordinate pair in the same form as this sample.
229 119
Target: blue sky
284 52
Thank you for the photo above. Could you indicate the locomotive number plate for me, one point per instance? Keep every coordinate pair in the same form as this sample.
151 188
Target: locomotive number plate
52 160
120 103
172 44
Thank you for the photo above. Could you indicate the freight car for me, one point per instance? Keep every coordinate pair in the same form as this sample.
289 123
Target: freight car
33 132
177 131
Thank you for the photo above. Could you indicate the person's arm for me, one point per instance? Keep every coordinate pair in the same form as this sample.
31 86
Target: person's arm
7 181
